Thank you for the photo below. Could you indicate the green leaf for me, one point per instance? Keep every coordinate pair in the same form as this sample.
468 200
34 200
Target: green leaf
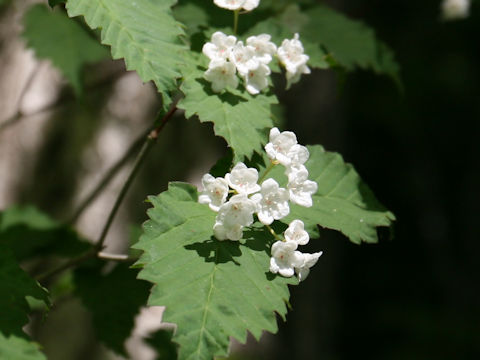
350 42
17 348
15 286
143 32
343 201
211 289
238 117
113 299
53 36
30 233
54 3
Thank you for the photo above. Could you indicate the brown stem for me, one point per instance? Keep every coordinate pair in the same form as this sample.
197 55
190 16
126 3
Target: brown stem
97 248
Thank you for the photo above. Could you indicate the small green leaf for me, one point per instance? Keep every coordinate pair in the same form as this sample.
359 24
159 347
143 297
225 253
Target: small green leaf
211 289
53 36
143 32
113 299
15 287
343 201
18 348
352 43
238 117
30 233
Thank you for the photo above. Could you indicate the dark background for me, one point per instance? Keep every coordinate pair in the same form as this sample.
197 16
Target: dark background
413 297
418 296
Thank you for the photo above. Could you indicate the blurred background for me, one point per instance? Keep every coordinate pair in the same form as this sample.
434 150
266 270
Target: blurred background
416 296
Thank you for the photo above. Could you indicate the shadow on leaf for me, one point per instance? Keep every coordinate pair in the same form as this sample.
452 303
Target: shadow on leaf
224 97
219 252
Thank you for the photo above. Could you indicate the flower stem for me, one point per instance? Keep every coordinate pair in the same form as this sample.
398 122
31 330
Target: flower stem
274 233
269 168
235 21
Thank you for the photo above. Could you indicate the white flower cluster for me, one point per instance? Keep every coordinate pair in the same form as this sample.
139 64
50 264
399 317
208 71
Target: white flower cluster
229 56
455 9
248 5
267 200
286 260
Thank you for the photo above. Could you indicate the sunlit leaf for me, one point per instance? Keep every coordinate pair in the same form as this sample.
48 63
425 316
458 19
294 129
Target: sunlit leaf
211 289
142 32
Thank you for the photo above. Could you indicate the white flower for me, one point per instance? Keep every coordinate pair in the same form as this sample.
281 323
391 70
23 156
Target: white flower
230 4
244 58
220 46
285 259
256 80
308 261
298 155
264 48
230 232
272 202
279 146
291 55
455 9
233 216
293 169
237 4
301 189
294 77
296 233
249 5
221 74
243 179
215 191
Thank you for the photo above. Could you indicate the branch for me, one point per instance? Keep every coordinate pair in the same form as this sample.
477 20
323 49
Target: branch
108 177
115 257
69 264
18 115
96 250
60 101
147 145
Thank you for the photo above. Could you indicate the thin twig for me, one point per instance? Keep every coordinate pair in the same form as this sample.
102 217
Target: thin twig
98 247
147 145
70 263
59 102
108 177
19 114
115 257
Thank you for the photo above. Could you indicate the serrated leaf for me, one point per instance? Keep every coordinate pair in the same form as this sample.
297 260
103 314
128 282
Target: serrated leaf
343 201
17 348
352 43
53 36
15 285
211 289
143 32
30 233
113 299
238 117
